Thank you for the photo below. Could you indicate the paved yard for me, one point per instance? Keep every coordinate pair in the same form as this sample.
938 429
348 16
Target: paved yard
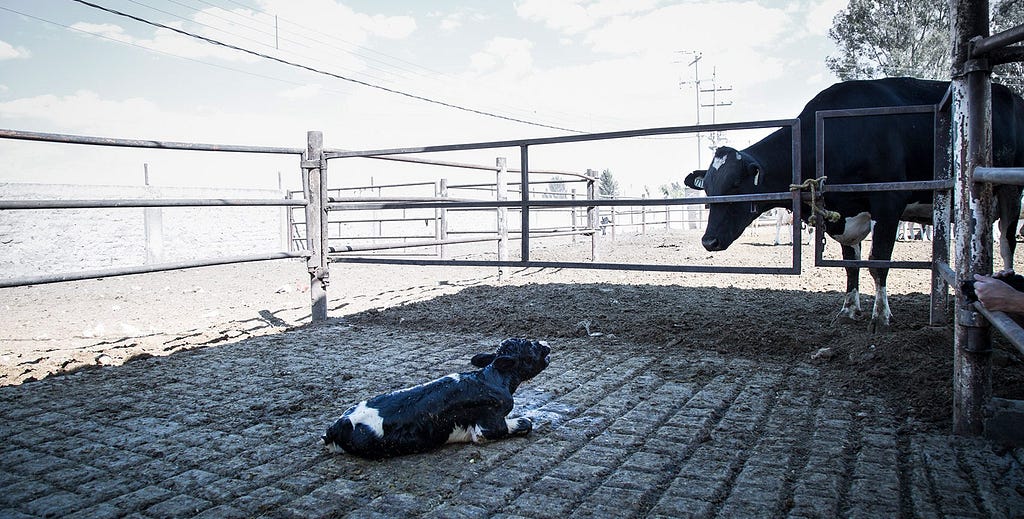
621 430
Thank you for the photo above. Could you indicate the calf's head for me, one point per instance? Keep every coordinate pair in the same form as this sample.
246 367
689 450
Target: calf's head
731 173
519 359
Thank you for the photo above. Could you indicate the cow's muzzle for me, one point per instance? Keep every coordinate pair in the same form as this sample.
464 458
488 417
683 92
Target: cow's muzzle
711 243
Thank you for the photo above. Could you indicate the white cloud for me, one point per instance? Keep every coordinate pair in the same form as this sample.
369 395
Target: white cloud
303 92
451 22
820 15
575 16
506 57
8 51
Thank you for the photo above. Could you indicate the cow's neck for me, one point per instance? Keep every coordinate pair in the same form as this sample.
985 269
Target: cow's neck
776 161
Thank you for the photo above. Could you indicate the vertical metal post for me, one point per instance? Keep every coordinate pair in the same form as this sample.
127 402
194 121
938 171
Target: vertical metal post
572 214
592 214
444 220
941 202
314 167
524 182
972 147
502 195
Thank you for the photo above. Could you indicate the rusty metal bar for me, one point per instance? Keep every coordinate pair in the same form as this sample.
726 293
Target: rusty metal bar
1013 176
1008 37
524 179
468 166
942 276
918 185
564 139
947 273
704 269
920 265
147 202
371 205
972 147
1005 324
160 267
449 241
137 143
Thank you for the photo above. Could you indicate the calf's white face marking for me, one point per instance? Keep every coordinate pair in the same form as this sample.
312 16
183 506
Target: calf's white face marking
369 417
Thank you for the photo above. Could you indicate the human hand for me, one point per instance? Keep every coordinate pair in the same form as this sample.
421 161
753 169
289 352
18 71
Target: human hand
996 295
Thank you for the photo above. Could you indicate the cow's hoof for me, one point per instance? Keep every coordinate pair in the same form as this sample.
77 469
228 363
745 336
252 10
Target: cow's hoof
846 316
521 425
880 326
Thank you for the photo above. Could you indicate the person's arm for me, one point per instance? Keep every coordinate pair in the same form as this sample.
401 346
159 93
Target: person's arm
997 295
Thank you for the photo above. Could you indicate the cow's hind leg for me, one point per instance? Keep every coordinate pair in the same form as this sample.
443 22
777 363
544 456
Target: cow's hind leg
851 304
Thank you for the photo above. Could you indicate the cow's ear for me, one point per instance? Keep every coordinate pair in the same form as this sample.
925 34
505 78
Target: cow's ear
695 180
482 359
504 363
755 171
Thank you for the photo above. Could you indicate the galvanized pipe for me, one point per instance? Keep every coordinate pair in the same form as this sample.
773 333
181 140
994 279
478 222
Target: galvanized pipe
147 202
136 143
997 41
1013 176
448 241
703 269
127 271
519 143
1005 324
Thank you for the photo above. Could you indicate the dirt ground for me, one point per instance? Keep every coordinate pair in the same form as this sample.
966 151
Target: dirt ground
57 328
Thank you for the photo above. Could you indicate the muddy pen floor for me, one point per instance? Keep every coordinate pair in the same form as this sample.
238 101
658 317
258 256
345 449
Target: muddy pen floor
199 393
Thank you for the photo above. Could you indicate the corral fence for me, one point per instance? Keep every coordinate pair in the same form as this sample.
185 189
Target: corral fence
967 110
431 232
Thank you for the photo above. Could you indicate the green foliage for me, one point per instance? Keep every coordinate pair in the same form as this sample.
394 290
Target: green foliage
673 190
885 38
607 185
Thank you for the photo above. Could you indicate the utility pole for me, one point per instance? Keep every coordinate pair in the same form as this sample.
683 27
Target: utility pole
697 90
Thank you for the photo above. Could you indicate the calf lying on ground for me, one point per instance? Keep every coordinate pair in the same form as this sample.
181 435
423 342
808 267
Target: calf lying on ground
461 407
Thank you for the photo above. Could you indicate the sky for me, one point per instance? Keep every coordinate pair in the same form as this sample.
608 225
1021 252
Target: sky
558 67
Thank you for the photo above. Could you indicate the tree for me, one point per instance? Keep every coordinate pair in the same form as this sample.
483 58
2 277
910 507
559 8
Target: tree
607 185
673 190
884 38
556 189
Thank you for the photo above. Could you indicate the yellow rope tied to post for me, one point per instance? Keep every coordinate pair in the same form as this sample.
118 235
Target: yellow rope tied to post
818 207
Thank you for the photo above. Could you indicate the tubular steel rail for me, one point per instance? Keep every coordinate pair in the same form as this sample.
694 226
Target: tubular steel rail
974 53
130 203
592 202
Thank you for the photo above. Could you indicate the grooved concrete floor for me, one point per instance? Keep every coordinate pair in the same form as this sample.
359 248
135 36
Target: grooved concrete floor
621 430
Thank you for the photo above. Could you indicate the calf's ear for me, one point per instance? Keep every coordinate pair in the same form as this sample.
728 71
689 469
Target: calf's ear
695 180
504 363
482 359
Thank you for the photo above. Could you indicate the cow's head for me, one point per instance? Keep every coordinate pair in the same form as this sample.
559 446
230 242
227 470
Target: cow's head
731 173
522 359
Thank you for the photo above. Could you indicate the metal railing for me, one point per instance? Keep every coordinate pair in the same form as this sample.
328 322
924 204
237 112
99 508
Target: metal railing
13 205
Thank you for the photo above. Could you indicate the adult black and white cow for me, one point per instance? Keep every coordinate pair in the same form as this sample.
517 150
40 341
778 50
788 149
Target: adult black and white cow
860 150
461 407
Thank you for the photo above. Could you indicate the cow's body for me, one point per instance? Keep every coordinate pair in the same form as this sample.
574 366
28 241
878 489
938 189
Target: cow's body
462 407
860 150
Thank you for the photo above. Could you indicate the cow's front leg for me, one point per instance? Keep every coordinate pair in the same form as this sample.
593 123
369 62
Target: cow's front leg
503 427
881 248
851 304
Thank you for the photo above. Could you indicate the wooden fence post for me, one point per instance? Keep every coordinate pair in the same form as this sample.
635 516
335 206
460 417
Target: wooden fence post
501 194
314 168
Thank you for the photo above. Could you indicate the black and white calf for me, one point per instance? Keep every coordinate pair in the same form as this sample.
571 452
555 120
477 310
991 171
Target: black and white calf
461 407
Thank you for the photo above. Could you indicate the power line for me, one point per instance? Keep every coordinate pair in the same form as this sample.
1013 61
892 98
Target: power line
322 72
